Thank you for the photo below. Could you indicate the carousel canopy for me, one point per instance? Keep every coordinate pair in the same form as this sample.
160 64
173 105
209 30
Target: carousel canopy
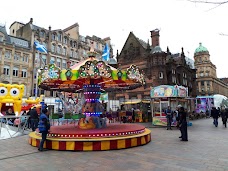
90 71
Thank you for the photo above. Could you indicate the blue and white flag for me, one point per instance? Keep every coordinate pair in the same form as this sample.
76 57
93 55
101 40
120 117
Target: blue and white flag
40 48
106 53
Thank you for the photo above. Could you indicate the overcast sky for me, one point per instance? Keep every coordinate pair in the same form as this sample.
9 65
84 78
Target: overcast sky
181 23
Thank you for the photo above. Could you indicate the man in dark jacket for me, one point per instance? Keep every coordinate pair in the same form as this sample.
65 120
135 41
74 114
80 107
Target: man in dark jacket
34 118
169 116
215 115
44 127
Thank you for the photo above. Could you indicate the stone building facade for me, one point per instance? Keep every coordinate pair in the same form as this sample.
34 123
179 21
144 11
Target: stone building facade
15 61
63 45
160 67
207 81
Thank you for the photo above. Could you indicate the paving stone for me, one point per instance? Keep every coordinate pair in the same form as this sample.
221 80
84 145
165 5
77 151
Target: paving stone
166 152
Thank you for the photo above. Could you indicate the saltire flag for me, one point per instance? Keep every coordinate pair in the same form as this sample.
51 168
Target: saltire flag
106 53
40 47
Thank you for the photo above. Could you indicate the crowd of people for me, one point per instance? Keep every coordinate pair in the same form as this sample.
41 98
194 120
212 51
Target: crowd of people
216 113
180 116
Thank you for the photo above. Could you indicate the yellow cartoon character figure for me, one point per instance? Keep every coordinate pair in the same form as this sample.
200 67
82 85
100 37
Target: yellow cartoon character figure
11 95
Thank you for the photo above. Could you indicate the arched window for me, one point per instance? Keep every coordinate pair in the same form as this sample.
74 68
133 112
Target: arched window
54 37
59 49
60 36
71 43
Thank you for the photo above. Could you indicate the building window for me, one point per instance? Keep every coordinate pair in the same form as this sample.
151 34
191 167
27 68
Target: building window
201 74
8 54
25 58
6 70
65 40
71 53
52 60
42 34
44 58
45 44
59 49
64 64
208 83
1 38
53 48
202 90
24 73
202 83
161 75
60 37
15 72
54 37
173 71
64 51
16 56
74 44
174 79
58 62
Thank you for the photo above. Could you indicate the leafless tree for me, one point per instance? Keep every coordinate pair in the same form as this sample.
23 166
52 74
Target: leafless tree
216 3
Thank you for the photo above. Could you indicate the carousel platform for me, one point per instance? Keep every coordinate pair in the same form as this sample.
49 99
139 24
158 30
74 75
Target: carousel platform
114 136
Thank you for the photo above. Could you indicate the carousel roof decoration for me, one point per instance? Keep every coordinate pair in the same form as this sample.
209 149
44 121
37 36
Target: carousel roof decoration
89 71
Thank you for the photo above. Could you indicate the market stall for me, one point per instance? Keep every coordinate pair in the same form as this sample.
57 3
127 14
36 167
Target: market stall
167 95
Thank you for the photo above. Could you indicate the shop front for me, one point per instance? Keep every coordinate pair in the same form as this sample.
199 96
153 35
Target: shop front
167 95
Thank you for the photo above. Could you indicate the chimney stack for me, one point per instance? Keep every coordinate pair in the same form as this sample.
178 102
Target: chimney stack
31 20
155 37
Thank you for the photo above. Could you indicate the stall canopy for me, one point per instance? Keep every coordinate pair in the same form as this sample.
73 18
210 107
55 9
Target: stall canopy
135 101
168 91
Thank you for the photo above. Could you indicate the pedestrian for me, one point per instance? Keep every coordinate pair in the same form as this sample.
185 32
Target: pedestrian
34 118
224 115
215 115
44 127
133 115
183 124
29 119
169 116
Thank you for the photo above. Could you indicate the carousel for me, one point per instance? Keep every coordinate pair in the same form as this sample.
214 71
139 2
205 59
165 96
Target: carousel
91 77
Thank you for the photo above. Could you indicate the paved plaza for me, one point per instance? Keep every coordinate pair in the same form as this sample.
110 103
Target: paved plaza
207 149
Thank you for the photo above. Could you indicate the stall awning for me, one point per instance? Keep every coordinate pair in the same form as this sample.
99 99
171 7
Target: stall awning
133 101
145 101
